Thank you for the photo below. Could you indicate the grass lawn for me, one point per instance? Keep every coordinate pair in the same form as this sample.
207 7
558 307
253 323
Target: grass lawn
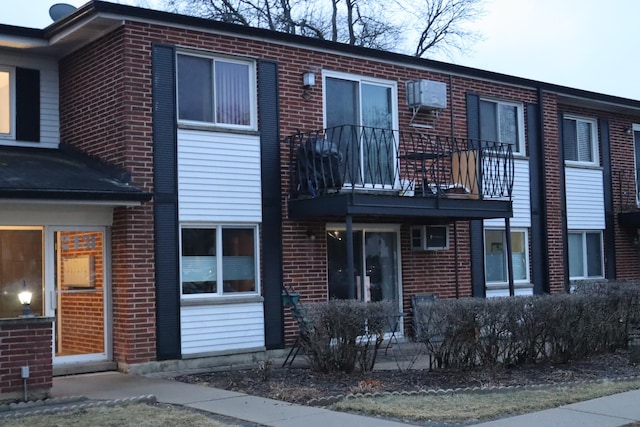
457 407
138 415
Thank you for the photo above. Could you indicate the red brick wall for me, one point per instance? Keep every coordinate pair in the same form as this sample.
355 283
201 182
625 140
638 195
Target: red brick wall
25 342
105 110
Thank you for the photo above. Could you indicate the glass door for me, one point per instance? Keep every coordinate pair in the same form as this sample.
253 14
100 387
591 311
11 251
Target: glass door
78 295
360 120
376 261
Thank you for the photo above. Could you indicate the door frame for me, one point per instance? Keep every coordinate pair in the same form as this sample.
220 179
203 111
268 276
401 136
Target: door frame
395 228
51 295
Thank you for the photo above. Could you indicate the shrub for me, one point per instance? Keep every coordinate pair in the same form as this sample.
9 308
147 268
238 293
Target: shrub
339 335
519 330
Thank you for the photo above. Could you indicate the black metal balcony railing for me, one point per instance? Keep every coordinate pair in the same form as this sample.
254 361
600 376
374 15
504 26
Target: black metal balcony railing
357 158
627 186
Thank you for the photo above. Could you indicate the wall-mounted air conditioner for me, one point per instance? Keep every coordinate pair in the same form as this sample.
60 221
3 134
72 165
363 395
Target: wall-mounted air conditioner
426 94
429 238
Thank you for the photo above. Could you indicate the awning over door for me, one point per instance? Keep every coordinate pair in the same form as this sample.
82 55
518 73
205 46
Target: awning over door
60 174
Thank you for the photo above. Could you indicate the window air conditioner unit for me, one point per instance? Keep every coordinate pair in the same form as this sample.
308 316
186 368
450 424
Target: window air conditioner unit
426 94
429 238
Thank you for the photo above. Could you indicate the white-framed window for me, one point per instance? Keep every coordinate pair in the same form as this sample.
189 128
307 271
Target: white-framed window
586 260
217 91
429 237
369 106
7 102
219 260
503 122
580 140
495 256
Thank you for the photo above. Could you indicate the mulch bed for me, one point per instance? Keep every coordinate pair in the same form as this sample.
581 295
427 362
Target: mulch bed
300 385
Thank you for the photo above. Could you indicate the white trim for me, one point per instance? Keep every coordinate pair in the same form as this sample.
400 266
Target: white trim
219 259
253 99
12 103
519 149
595 152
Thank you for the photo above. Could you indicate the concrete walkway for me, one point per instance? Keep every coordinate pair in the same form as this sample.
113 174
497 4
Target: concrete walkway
616 410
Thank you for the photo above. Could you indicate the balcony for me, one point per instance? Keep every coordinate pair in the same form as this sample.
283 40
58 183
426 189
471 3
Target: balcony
355 170
628 197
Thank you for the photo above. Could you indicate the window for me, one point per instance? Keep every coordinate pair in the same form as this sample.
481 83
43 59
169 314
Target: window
6 103
370 107
495 252
204 271
217 91
579 140
585 255
502 122
21 267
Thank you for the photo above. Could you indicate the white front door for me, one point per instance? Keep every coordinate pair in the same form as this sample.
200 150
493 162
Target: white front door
78 274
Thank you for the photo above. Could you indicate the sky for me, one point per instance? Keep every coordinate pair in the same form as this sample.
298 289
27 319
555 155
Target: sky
584 44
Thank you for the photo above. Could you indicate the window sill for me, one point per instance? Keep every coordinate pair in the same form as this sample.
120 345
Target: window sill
505 285
217 128
579 165
208 300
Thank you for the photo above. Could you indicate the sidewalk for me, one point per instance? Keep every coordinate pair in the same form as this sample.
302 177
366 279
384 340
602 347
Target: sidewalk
259 410
611 411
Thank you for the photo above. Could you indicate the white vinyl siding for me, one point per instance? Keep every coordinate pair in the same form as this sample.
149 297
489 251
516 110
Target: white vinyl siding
49 97
584 191
222 328
521 199
219 177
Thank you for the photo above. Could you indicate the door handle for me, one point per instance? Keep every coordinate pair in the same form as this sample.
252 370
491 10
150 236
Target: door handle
54 300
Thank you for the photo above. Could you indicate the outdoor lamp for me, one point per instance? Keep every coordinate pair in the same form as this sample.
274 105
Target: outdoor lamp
309 79
25 300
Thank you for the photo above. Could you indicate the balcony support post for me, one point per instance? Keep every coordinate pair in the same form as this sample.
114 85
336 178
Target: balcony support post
351 275
507 229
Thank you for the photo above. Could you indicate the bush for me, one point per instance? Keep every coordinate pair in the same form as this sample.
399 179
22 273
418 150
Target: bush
520 330
339 335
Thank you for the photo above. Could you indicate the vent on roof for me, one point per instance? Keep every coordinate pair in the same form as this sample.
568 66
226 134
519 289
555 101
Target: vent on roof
60 10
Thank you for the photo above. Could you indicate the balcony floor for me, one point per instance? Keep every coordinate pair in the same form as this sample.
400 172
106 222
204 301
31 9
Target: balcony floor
343 204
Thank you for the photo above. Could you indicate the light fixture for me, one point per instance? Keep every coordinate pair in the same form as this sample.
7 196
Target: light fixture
25 300
310 234
628 130
309 79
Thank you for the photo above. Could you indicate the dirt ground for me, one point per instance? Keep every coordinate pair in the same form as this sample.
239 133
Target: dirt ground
300 385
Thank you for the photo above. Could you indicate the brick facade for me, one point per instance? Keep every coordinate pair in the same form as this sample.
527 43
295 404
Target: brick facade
106 106
25 342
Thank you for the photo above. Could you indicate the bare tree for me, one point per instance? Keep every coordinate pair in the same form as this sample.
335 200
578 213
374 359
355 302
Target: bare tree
401 25
441 24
